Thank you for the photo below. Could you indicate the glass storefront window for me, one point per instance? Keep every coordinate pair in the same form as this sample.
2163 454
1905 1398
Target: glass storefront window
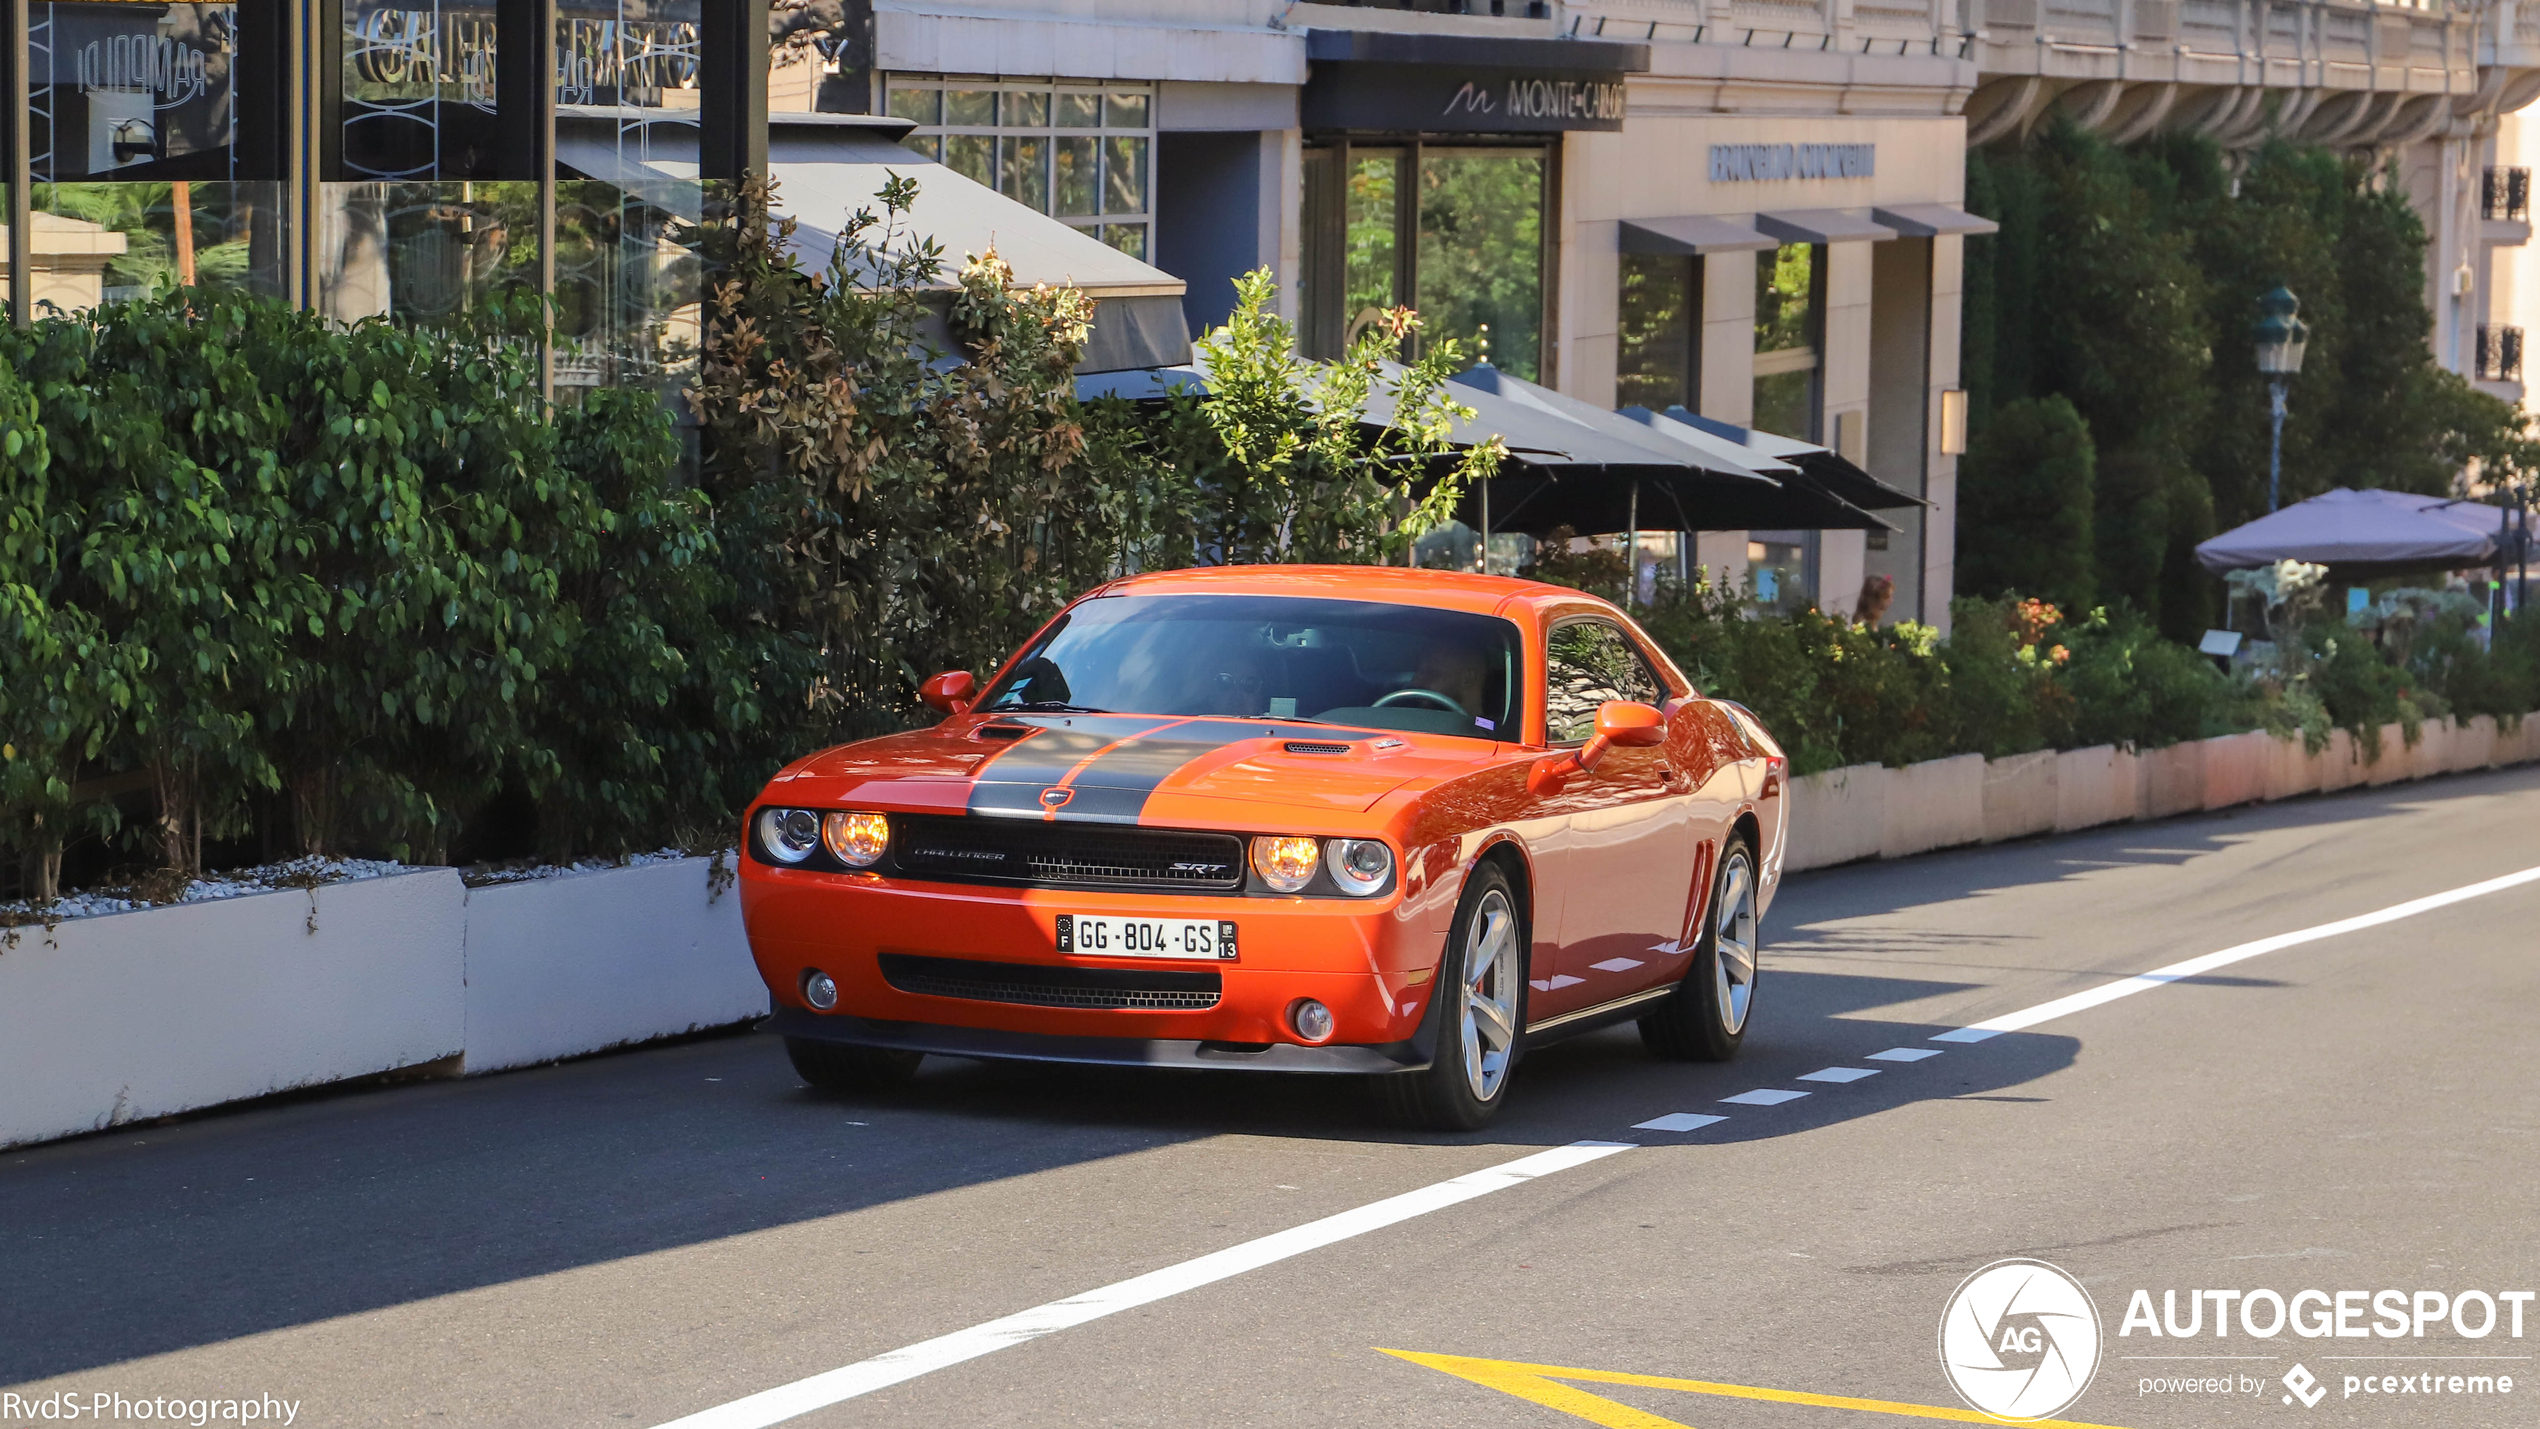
1789 302
1455 232
1780 574
1374 223
1080 154
133 147
1481 254
1658 331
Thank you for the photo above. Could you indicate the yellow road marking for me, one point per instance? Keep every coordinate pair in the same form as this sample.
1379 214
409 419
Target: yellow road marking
1538 1383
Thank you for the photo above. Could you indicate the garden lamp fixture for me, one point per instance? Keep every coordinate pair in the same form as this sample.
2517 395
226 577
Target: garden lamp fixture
2281 336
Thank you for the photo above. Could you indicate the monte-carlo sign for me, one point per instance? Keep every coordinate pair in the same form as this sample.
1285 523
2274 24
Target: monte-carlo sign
1758 163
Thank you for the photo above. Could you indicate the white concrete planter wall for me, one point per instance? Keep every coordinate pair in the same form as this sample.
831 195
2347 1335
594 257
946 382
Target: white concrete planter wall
557 967
1868 811
109 1019
126 1016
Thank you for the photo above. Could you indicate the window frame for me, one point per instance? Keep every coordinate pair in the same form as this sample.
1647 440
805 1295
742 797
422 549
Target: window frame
1543 687
928 138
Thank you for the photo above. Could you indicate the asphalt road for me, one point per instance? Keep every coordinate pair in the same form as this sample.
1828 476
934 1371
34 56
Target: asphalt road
632 1238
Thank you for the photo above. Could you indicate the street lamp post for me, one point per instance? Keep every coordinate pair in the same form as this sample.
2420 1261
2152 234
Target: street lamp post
2281 338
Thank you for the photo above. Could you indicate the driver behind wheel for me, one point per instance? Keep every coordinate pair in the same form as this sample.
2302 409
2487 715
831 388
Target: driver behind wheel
1456 672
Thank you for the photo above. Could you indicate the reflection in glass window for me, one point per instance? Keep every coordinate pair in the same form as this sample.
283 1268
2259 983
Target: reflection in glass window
1789 288
1658 330
1359 664
1585 665
1481 254
1779 578
131 139
1373 220
1031 143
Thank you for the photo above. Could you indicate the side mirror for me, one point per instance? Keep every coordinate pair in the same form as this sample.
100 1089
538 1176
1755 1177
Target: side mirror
1633 726
951 691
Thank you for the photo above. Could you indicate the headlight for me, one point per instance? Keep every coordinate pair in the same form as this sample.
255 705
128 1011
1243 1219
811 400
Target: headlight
1360 866
1284 862
856 838
788 835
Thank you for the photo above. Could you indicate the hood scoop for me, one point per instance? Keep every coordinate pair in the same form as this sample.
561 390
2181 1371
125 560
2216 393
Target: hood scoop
1002 731
1315 746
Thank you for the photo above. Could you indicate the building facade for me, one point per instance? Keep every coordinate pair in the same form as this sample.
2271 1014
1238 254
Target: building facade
1749 208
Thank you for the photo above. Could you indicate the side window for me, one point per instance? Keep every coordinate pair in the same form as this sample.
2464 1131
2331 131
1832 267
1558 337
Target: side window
1588 663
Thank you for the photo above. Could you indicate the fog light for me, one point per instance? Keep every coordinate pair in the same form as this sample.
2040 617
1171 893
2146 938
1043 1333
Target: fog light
821 990
1311 1019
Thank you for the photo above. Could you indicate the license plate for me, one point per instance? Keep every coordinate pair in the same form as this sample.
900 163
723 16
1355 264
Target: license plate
1103 935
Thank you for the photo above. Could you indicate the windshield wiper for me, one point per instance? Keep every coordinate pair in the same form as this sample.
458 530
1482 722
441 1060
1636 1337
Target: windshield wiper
1050 707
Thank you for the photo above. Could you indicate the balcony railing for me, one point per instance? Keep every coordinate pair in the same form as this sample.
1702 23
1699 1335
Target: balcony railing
2507 194
2500 354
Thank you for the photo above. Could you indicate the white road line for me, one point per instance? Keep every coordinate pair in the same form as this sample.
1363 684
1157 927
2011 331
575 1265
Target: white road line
1677 1121
1904 1054
2162 977
1839 1075
775 1406
1763 1096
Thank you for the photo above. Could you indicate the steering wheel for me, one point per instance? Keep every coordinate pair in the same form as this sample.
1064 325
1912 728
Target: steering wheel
1432 696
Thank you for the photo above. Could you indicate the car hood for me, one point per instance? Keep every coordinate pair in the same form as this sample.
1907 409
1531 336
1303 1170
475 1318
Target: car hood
1108 768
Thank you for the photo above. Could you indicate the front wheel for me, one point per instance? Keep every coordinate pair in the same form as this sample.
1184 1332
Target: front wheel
838 1069
1479 1008
1705 1021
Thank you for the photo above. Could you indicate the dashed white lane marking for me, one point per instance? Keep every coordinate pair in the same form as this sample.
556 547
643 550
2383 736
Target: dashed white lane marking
1677 1121
775 1406
1839 1075
1904 1054
1763 1096
2162 977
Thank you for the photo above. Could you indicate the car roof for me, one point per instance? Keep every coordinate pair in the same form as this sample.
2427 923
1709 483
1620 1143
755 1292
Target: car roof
1441 590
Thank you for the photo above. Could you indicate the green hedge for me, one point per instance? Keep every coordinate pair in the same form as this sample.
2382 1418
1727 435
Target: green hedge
2015 676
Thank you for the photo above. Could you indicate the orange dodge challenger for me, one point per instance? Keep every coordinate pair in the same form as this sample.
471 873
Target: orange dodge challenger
1292 818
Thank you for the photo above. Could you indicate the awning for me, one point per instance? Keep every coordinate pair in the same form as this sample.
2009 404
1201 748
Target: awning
1691 234
1927 220
1823 465
655 161
1821 225
2363 535
827 166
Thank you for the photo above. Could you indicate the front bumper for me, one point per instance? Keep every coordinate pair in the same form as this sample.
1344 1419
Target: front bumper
1371 963
1406 1056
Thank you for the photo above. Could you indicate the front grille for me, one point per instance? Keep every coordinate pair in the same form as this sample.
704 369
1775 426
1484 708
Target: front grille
1097 989
1065 855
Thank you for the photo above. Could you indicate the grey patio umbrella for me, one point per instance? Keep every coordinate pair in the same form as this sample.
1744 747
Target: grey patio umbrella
2363 535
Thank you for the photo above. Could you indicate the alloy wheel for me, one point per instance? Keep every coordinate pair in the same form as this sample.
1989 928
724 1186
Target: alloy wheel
1492 968
1734 938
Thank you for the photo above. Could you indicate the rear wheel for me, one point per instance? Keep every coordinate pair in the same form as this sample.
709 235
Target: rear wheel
1705 1020
1478 1008
840 1070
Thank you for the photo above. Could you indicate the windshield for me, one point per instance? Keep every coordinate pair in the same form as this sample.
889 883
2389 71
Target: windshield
1347 662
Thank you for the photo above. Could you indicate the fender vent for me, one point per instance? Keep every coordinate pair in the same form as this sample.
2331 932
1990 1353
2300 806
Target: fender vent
1309 746
1032 985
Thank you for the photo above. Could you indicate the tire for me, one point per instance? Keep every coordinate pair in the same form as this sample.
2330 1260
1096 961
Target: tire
1477 1013
1707 1017
837 1069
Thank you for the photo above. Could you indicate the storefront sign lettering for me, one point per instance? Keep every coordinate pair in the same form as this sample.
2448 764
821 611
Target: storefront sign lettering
1740 163
1559 100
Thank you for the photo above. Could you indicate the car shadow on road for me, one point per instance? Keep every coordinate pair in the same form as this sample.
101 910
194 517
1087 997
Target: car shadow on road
168 1237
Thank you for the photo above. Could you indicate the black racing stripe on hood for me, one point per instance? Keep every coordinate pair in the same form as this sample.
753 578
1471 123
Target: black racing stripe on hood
1044 756
1113 789
1084 806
